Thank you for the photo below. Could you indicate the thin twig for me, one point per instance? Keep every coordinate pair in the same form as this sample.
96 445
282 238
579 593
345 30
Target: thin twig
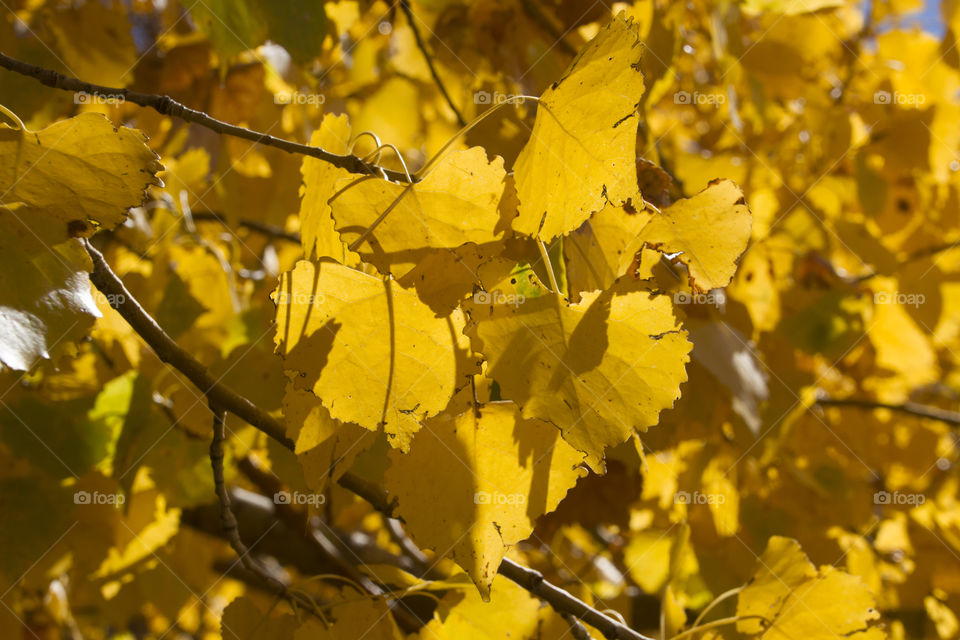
425 568
535 12
405 6
232 530
577 630
720 598
223 397
165 105
270 230
911 408
329 547
564 602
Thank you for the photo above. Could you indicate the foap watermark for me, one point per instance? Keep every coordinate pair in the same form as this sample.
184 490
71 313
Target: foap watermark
697 97
96 497
112 299
907 299
898 497
297 498
685 497
485 497
287 297
715 297
485 97
902 99
82 97
296 97
497 297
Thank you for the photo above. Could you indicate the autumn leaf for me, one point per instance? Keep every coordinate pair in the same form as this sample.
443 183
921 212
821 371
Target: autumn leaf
788 595
491 473
600 369
319 237
369 350
710 257
64 181
79 175
456 202
582 151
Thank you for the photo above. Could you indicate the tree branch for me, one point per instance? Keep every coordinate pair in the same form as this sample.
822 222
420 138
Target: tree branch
911 408
170 352
564 602
270 230
326 546
229 521
221 396
405 6
165 105
577 630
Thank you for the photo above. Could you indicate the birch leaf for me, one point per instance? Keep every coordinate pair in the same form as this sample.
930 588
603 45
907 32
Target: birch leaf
582 152
372 352
598 369
490 474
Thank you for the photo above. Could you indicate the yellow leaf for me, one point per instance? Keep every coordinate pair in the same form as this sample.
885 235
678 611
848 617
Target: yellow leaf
603 248
944 619
647 557
244 619
829 606
674 614
326 448
79 174
473 485
724 498
455 203
598 369
582 152
367 618
797 601
58 183
783 567
370 350
510 613
44 294
443 278
709 230
902 346
95 42
318 236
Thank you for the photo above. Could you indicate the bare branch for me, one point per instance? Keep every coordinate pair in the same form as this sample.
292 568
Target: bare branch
911 408
563 602
269 230
231 529
328 546
405 6
170 352
577 630
165 105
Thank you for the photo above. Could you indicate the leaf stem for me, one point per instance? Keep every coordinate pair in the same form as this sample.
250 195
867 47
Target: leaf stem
720 598
10 114
549 266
